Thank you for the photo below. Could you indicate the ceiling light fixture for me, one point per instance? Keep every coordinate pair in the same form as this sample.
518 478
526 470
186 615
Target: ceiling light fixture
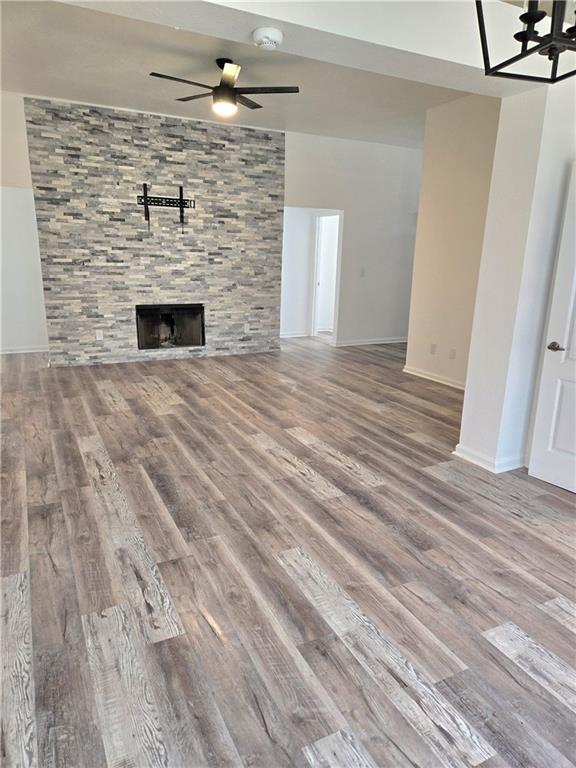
268 38
224 101
227 95
533 38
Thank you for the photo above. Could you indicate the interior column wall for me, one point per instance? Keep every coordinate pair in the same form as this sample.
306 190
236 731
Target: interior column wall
459 144
535 147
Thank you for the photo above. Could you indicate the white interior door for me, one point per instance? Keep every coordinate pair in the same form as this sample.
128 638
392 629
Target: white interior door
326 267
553 454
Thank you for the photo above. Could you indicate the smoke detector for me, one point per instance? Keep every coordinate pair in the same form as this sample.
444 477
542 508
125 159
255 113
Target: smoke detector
269 38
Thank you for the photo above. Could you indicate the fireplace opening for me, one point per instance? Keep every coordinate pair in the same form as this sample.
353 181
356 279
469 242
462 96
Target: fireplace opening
162 326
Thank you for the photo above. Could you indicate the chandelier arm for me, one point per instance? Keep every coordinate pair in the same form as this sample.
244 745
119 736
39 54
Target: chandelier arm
554 71
483 38
565 75
530 78
519 56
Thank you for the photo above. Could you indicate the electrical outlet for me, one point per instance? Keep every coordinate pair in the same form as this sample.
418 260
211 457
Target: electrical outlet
433 349
452 354
99 335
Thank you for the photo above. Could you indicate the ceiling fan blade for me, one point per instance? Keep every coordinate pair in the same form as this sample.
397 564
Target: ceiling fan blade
179 80
194 97
230 74
269 89
248 102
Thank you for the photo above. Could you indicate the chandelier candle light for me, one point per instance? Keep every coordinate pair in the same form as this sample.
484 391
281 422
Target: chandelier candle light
547 33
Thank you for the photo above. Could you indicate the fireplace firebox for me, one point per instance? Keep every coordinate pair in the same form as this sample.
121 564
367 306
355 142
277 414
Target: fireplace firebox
162 326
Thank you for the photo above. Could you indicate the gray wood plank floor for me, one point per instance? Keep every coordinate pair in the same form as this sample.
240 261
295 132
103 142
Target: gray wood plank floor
271 561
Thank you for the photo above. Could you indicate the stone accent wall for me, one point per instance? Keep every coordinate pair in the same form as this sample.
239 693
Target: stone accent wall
98 258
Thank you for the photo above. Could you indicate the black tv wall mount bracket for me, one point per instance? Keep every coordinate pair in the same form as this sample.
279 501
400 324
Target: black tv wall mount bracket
149 201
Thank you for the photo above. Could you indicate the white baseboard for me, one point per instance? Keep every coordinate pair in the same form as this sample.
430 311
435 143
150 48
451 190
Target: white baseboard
433 377
492 464
366 342
294 335
22 350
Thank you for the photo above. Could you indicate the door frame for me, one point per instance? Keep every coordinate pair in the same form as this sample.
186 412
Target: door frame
318 214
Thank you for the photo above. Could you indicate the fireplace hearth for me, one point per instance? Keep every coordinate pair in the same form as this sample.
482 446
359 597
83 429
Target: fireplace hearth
164 326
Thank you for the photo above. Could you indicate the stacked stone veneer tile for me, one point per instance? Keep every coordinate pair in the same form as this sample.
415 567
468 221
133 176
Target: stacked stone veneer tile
98 258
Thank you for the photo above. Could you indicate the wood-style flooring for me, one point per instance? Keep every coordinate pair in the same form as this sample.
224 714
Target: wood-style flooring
274 560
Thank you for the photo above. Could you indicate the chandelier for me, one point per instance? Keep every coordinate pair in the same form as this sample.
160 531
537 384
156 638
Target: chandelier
548 30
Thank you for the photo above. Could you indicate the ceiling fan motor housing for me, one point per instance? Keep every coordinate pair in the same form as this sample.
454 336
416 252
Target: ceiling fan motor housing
268 38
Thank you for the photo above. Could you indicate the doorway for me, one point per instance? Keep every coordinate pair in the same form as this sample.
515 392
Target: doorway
311 257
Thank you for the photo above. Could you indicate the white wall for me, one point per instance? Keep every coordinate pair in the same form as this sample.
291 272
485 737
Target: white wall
326 268
22 318
535 147
376 186
458 154
297 271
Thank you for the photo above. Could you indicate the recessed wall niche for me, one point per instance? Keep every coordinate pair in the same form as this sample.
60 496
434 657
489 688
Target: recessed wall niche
98 258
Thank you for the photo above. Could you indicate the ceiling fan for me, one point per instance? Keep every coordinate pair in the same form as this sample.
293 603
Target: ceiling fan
226 95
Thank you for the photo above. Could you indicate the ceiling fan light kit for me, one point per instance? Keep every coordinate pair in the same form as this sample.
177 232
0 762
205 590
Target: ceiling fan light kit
224 101
537 36
226 96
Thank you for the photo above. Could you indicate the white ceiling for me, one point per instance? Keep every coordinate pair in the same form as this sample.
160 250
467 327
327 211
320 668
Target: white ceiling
68 52
428 41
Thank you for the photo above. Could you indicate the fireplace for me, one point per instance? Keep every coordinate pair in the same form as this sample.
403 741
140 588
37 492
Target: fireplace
163 326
